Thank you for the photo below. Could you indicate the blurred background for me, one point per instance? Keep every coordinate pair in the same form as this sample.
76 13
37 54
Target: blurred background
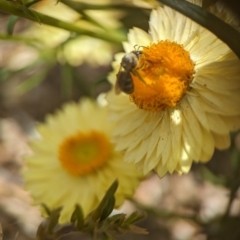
41 67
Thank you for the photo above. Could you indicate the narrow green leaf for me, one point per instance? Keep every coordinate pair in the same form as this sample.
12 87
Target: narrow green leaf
46 209
11 24
235 158
137 230
30 13
97 213
108 208
33 42
77 217
221 29
117 219
110 36
31 82
53 219
29 4
135 217
80 6
208 175
113 188
41 232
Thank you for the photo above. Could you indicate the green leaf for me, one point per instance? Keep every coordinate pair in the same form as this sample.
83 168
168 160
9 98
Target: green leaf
77 217
41 232
31 83
135 217
103 207
112 189
46 209
117 219
11 24
53 219
137 230
30 13
14 8
108 208
29 4
20 5
221 29
208 175
235 158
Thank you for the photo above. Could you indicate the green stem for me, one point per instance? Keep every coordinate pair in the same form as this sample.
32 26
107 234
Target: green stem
78 6
16 38
16 9
84 15
234 181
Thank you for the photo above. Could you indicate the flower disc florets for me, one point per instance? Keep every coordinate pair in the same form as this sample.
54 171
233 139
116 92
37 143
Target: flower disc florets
167 70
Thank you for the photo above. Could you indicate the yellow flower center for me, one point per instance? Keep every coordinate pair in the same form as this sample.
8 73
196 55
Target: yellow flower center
83 153
166 70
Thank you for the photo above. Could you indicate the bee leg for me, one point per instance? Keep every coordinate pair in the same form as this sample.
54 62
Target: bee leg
136 73
142 65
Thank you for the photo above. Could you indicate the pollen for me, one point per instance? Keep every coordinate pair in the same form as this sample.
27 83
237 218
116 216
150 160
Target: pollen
165 71
83 153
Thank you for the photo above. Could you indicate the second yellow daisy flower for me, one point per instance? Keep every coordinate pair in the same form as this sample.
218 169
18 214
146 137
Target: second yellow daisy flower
185 99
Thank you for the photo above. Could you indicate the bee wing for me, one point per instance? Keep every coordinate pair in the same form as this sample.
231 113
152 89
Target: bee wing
117 89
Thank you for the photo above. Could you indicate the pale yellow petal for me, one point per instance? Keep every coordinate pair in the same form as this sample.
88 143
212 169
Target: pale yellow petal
207 146
222 141
150 162
232 122
185 162
191 120
198 110
216 124
163 135
50 183
160 170
137 38
176 126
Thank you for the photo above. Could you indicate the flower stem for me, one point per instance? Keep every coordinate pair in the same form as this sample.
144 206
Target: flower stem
79 6
18 10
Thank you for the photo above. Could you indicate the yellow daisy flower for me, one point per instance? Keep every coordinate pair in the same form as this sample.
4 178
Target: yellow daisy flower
74 162
184 97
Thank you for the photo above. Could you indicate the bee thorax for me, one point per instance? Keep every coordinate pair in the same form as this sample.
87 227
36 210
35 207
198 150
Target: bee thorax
129 61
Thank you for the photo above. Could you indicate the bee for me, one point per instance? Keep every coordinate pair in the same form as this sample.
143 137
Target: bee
128 65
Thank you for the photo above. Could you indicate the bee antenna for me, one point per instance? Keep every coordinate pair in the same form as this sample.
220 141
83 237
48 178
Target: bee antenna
136 47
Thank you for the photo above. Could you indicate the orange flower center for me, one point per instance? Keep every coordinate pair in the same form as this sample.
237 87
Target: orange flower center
166 70
83 153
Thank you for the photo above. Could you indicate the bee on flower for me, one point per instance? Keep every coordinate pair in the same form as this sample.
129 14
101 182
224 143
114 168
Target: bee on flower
185 96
